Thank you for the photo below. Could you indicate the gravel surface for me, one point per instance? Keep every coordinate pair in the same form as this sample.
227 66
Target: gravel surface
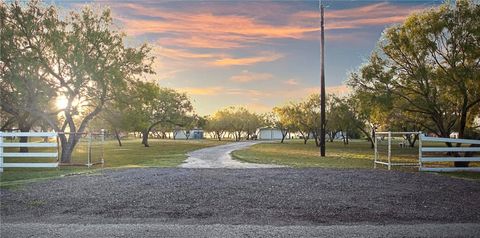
219 157
278 197
160 230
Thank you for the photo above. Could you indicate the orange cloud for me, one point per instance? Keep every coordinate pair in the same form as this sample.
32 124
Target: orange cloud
205 41
202 91
247 76
377 14
182 54
212 91
205 30
266 57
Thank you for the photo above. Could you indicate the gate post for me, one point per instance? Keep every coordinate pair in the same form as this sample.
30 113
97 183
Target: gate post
89 150
1 151
389 150
102 131
420 136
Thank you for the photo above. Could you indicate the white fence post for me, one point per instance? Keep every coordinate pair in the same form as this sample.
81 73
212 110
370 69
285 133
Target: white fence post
89 150
389 150
103 144
1 151
420 138
375 141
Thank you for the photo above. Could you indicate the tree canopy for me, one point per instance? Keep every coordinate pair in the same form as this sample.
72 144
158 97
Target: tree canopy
429 67
80 59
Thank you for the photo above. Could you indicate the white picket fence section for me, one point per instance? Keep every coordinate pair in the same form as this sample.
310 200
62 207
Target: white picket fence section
423 151
4 144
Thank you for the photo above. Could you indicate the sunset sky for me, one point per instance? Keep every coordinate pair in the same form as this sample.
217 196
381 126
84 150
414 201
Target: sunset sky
253 53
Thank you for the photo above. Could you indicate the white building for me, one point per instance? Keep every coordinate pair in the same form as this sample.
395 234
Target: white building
267 133
181 134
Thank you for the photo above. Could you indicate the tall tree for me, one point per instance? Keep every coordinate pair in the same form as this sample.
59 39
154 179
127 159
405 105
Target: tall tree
22 85
281 119
81 58
431 65
151 106
217 124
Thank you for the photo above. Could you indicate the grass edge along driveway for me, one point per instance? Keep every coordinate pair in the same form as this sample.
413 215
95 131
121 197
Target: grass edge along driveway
356 155
161 153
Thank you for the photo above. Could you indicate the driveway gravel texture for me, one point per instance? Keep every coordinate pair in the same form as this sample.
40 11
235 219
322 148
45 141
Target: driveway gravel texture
277 196
215 196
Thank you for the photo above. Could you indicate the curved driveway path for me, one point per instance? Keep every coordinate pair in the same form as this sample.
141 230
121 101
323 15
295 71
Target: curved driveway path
219 157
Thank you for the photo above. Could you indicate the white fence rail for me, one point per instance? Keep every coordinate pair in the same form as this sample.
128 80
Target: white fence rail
425 151
4 144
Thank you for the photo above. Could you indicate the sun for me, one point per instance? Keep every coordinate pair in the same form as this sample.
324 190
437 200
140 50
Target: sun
61 102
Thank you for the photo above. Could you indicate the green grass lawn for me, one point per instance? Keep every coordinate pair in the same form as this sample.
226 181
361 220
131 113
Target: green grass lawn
170 153
294 153
356 155
161 153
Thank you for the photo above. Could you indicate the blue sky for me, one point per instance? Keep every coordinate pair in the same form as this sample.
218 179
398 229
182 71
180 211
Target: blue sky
257 54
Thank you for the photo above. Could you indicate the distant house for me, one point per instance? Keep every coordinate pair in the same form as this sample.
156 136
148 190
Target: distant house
454 135
267 133
181 134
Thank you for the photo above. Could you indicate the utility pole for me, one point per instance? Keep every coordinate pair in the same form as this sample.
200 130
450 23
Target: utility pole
322 84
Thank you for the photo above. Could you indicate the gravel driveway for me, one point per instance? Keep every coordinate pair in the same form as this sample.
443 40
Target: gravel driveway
282 196
219 157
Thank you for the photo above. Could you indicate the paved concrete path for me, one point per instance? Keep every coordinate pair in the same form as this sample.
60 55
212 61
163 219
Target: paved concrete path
219 157
162 230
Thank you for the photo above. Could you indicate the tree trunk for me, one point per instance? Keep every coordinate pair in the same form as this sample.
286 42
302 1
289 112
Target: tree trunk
461 131
145 138
369 135
67 146
332 135
284 134
411 141
24 139
118 137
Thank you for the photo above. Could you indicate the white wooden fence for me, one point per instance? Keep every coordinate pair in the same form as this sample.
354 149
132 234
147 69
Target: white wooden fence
4 144
424 159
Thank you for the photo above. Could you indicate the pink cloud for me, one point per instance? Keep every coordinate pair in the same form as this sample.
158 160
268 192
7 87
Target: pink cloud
247 76
183 54
205 29
377 14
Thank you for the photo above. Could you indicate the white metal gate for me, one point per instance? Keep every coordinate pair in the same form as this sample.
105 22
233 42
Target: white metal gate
41 144
388 162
